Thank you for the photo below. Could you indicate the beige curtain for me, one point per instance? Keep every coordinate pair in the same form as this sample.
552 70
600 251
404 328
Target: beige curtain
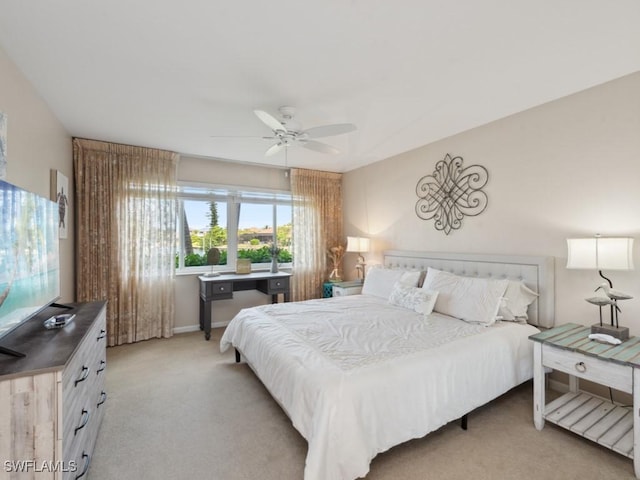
126 236
317 225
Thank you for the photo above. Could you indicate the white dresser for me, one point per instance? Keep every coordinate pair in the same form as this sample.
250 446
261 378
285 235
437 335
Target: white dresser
52 400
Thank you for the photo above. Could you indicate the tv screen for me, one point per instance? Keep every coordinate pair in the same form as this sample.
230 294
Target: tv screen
29 260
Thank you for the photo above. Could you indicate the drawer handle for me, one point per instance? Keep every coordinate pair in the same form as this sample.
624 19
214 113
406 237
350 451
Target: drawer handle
83 422
103 398
222 289
277 284
581 367
102 366
85 374
87 461
103 333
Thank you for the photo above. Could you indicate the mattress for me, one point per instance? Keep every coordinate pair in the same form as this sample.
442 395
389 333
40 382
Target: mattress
357 375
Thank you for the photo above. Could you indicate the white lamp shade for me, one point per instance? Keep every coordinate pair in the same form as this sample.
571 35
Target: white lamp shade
357 244
600 253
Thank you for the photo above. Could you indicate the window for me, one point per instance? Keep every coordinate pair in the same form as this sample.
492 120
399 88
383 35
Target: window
218 225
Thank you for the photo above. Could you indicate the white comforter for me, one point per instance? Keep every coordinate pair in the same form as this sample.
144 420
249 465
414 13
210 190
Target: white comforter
358 376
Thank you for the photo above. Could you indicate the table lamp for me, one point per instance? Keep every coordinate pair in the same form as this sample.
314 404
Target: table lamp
359 245
603 253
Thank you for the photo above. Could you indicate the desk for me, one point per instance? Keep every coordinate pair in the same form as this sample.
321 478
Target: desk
223 286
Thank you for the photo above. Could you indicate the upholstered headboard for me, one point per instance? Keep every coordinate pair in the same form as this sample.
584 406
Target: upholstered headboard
536 272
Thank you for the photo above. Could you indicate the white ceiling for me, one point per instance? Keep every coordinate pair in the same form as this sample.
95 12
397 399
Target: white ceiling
171 74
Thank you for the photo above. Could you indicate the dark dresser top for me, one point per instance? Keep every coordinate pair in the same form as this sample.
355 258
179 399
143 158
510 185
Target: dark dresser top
47 350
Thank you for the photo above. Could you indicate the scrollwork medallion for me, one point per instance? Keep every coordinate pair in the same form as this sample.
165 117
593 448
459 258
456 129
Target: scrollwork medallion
451 193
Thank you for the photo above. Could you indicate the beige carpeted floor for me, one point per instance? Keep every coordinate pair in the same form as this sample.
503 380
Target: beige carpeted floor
178 409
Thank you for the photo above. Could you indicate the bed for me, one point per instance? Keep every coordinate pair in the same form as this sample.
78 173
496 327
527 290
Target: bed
360 374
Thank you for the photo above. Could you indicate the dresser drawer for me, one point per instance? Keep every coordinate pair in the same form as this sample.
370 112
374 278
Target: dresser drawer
87 358
78 461
82 435
589 368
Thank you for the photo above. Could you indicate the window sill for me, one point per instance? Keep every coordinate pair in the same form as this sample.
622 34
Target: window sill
182 273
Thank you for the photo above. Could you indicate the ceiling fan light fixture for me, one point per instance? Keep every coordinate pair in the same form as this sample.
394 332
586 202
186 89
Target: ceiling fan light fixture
289 132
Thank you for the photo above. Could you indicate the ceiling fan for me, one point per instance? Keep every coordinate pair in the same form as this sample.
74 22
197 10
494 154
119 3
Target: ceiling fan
288 132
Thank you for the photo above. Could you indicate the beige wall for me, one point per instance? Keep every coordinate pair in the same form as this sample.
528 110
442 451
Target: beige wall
567 168
210 171
36 143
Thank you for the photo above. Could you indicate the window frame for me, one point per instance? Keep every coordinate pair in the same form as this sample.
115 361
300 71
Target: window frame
234 197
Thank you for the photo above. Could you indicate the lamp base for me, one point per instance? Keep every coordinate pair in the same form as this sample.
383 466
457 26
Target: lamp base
621 333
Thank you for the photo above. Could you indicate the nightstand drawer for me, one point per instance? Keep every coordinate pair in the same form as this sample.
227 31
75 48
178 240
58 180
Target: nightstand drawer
589 368
339 291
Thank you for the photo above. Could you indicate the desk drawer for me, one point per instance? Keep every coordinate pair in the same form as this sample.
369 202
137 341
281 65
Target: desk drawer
278 285
216 290
589 368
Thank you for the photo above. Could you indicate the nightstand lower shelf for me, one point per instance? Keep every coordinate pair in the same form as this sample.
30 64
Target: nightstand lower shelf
594 418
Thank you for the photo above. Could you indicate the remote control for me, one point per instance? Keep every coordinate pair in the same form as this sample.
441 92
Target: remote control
59 321
603 337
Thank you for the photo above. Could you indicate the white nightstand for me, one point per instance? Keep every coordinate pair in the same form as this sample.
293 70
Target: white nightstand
342 289
568 349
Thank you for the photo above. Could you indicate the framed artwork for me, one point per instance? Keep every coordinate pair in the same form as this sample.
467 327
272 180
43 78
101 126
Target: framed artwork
3 146
60 195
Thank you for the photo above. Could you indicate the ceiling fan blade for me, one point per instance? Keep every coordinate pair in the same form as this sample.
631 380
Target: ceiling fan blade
242 136
271 121
273 149
319 147
329 130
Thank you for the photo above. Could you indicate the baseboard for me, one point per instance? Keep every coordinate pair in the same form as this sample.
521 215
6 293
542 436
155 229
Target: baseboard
195 328
558 386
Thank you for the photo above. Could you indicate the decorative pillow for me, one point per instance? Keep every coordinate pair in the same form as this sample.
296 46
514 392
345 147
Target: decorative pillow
517 299
380 281
467 298
413 298
426 306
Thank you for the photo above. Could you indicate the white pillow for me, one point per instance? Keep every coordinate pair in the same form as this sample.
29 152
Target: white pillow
517 299
467 298
380 281
413 298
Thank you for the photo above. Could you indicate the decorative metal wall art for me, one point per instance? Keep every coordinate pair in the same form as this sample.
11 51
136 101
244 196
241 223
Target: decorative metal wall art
452 193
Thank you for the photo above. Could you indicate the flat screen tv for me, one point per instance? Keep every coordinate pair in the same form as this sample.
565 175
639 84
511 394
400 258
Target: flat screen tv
29 259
